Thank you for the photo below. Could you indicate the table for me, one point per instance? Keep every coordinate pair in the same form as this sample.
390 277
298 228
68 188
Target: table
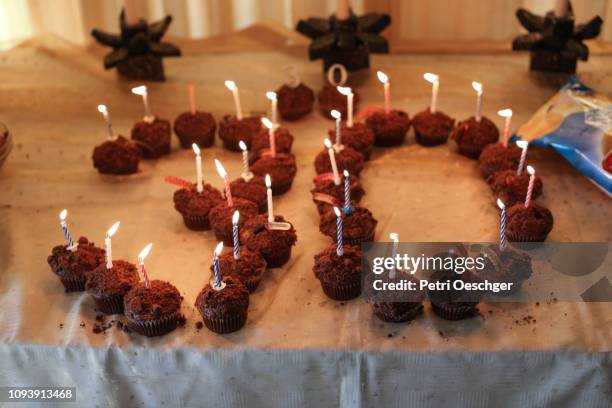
332 353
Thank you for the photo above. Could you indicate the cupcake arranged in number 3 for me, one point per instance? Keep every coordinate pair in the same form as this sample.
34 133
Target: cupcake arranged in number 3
330 98
431 126
224 302
152 134
234 128
195 126
295 99
117 155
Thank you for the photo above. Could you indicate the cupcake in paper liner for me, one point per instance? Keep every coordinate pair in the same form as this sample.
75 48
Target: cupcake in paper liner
339 275
72 267
224 310
107 286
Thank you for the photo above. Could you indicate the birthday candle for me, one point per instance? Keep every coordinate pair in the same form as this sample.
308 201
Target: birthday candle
347 192
348 92
435 84
273 106
108 244
531 171
395 238
109 127
338 116
339 231
332 159
271 134
192 103
502 230
235 235
226 182
70 244
269 196
478 88
246 172
216 270
141 258
198 161
523 144
382 77
506 113
142 91
231 85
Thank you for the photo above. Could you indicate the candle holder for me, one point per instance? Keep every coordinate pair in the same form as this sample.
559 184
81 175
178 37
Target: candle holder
555 43
348 42
137 50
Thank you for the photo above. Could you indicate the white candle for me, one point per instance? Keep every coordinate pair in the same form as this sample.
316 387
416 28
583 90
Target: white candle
142 91
506 113
435 84
273 106
198 162
269 196
382 77
231 85
338 116
131 12
523 144
226 182
109 127
345 90
332 159
271 136
343 10
531 171
478 88
108 244
561 8
395 238
246 172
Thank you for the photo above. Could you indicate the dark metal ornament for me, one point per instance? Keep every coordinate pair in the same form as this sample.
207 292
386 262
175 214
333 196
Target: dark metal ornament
137 50
347 42
555 43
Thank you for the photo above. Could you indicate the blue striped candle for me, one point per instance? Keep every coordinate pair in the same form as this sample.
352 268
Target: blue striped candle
502 234
216 269
339 231
347 193
235 236
70 243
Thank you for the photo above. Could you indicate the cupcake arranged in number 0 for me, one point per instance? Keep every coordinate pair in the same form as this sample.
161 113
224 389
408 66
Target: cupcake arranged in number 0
152 133
117 155
234 128
195 126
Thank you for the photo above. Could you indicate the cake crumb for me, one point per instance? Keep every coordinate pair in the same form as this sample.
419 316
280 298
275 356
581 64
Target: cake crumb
199 325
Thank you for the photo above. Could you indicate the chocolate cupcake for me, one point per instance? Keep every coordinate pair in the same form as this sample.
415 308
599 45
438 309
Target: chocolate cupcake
294 101
273 245
232 130
326 194
451 303
330 98
359 137
340 275
346 159
152 138
253 190
117 156
220 218
512 188
282 138
432 129
401 311
528 224
153 311
194 206
472 136
507 266
249 269
224 310
73 267
357 227
198 128
281 168
108 286
389 128
496 157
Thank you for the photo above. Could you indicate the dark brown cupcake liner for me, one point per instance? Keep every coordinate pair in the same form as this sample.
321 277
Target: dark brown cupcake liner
389 139
341 292
470 151
149 152
252 283
231 143
152 328
426 140
227 324
454 311
74 284
206 140
411 314
524 238
279 189
279 260
109 304
199 223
